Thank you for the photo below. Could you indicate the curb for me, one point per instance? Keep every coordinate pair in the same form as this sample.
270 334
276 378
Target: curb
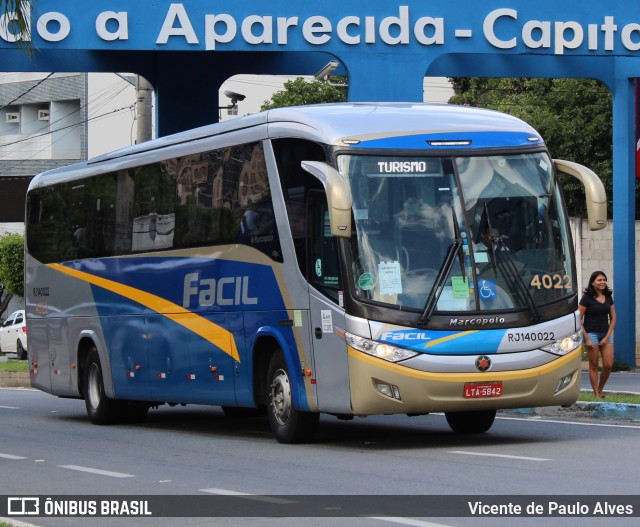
15 379
596 410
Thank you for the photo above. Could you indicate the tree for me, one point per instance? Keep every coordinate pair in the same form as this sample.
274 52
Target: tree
19 22
12 263
301 92
574 116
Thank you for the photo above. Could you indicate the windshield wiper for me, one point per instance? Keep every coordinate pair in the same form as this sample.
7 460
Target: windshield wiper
504 261
454 249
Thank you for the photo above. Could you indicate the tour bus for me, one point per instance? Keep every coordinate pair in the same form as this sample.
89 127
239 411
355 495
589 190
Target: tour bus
346 259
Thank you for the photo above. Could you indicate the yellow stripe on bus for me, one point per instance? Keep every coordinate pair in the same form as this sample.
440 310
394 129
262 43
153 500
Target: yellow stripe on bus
217 335
465 377
449 337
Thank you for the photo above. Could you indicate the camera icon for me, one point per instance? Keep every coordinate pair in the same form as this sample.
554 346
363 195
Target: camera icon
25 506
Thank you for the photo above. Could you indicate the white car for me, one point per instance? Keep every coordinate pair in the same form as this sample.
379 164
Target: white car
13 335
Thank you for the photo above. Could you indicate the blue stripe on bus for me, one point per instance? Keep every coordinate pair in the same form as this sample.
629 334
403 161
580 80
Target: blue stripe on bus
475 140
486 341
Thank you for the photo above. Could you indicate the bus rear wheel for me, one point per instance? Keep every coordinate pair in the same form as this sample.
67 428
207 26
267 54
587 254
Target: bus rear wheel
288 424
471 422
100 408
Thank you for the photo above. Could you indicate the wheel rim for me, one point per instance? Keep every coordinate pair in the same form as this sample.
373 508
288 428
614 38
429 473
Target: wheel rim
93 388
281 397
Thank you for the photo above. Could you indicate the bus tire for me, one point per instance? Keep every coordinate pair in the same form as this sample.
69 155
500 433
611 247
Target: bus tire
471 422
100 408
21 353
288 424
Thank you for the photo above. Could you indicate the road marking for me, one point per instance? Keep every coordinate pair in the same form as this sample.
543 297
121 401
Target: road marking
506 456
10 407
576 423
11 456
407 521
97 471
268 499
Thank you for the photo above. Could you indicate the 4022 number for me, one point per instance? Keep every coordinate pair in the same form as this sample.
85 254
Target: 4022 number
551 281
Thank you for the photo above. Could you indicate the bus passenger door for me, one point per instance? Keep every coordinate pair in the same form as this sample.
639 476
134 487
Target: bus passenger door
327 314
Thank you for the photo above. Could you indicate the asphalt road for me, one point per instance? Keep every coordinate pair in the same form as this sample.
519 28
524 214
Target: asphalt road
47 446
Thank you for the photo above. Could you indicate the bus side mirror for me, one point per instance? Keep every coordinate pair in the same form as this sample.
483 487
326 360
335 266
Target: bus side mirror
594 191
338 196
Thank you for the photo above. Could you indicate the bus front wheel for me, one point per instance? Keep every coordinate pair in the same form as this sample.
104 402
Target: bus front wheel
288 424
100 408
471 422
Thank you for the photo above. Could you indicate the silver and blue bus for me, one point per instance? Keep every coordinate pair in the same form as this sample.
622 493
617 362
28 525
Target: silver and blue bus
345 259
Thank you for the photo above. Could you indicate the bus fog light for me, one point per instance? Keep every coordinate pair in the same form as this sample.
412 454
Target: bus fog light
564 382
390 390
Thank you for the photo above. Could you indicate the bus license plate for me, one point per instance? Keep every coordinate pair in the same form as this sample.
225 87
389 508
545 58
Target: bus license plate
482 390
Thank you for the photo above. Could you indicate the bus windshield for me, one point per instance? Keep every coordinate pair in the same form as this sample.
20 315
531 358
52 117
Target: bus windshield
474 233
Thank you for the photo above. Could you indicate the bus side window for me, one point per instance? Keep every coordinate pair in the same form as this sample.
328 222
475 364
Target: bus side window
324 265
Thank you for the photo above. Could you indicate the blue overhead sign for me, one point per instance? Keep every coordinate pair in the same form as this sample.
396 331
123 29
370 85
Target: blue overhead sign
556 28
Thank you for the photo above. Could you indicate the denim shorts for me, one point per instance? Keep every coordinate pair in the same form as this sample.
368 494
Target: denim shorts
597 337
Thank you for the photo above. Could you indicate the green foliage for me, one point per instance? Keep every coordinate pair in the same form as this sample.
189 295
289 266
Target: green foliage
14 365
574 117
610 397
301 92
12 263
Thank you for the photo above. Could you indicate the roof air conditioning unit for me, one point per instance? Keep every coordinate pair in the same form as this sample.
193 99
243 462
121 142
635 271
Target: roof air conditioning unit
43 115
12 117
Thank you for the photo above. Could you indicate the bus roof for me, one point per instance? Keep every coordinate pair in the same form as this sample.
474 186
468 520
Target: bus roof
330 124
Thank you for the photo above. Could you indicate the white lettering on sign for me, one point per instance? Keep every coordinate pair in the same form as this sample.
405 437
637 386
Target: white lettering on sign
225 291
400 167
177 13
503 28
53 26
9 20
121 21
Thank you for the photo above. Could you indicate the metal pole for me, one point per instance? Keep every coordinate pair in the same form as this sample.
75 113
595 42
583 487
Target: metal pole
144 93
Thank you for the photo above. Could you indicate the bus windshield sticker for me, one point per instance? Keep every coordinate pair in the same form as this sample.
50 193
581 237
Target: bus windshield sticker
361 214
390 280
487 290
460 287
367 281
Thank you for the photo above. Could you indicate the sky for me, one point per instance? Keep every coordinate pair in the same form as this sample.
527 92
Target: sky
112 99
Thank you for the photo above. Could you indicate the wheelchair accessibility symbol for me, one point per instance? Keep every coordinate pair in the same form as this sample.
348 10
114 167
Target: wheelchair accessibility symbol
487 290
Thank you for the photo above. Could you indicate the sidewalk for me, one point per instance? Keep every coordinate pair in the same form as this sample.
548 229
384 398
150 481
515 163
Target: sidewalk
619 382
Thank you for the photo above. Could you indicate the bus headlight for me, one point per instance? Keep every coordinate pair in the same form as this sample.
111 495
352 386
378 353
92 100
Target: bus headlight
564 345
379 349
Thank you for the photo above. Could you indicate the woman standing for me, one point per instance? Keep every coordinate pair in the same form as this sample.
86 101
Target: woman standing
598 320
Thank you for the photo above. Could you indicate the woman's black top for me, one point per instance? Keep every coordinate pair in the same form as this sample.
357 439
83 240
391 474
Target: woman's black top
596 317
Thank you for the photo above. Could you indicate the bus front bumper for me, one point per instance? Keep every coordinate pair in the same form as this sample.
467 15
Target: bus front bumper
381 387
